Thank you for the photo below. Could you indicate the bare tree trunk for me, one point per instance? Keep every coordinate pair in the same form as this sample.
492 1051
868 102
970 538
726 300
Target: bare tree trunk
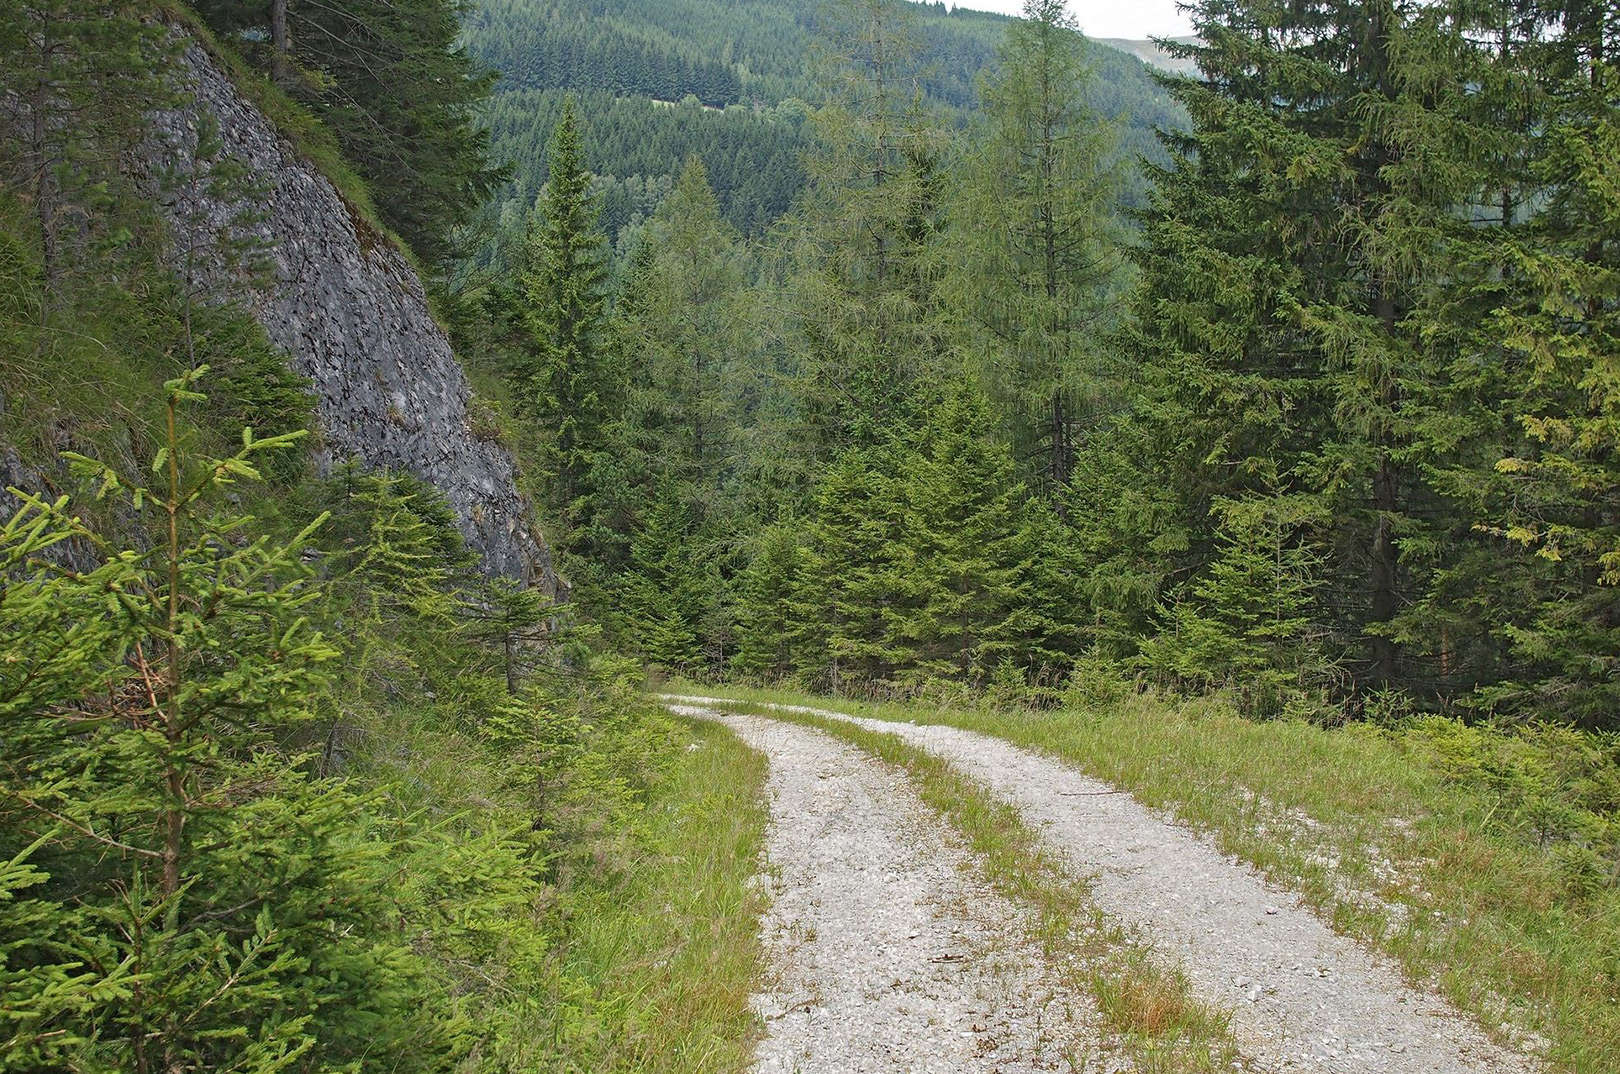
44 168
1062 444
1384 576
174 816
280 66
511 665
1384 567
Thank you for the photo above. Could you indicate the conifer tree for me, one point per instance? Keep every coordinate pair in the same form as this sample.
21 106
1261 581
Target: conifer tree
677 333
1279 345
513 617
565 380
671 599
869 327
1247 621
392 82
199 899
964 567
765 612
1557 282
1033 245
1467 130
79 77
684 340
849 584
623 477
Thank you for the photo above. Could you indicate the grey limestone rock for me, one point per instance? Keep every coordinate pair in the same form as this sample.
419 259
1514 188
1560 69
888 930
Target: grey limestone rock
351 312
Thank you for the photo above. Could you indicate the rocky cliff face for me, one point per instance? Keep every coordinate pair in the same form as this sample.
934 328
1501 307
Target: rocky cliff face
351 313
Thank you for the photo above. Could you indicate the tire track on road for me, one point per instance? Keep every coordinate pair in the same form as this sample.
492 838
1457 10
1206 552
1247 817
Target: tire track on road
888 953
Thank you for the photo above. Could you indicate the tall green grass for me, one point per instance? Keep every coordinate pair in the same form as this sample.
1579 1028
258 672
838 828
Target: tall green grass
655 965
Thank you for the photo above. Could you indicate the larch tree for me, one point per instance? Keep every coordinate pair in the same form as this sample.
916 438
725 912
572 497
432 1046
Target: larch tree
687 341
1034 245
870 330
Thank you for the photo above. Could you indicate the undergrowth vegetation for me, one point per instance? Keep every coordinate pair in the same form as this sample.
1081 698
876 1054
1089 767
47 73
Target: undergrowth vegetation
1483 858
269 801
286 784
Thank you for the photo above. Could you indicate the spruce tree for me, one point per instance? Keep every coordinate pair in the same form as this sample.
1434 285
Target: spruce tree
1557 281
565 380
196 898
849 584
1287 249
392 83
765 612
964 554
677 334
1246 623
78 78
671 600
514 618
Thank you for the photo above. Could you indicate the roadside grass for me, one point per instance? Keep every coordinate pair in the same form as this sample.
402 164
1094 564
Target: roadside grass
628 943
1147 1005
1383 831
656 967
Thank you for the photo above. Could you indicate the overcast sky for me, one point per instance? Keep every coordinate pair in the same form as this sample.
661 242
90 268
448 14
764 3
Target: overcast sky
1108 18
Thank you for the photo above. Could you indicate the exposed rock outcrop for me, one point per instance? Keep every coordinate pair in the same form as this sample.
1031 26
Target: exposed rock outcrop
352 314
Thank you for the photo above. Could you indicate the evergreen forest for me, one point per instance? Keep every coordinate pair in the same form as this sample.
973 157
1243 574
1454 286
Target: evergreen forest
1321 421
875 350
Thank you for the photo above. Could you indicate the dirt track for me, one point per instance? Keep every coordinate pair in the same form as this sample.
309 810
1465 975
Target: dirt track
1302 997
888 953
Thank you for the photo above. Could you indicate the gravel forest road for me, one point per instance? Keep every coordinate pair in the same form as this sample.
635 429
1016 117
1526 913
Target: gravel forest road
1301 997
888 952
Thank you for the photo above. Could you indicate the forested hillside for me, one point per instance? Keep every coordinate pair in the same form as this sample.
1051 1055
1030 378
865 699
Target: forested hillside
749 73
1328 431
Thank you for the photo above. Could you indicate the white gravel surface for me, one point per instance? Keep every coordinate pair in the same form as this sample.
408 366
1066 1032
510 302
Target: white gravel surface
888 953
1303 998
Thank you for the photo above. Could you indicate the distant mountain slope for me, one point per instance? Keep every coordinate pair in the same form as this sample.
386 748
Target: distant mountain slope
722 51
750 64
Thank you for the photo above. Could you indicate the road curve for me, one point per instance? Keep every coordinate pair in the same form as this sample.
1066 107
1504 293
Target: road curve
1302 997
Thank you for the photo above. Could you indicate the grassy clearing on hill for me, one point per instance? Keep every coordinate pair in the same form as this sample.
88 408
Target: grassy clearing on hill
1480 859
